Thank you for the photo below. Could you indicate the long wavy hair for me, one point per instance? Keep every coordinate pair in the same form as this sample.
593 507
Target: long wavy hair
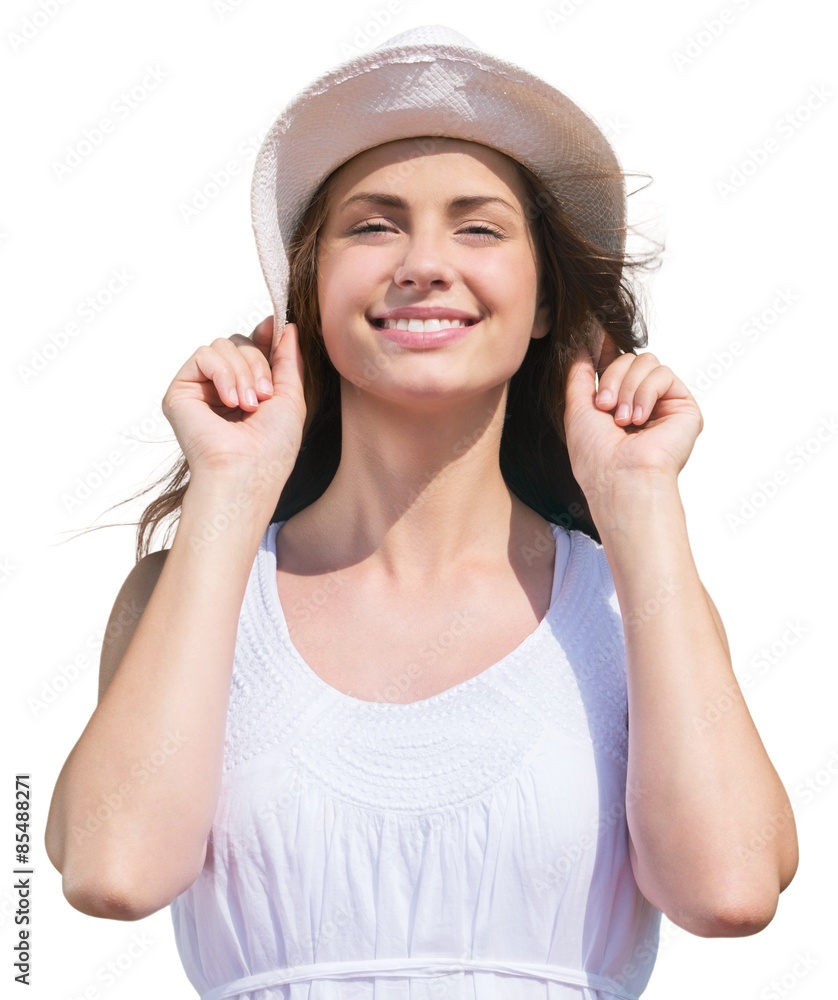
582 285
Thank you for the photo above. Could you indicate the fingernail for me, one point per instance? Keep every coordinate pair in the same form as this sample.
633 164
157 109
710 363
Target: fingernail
622 412
604 396
264 385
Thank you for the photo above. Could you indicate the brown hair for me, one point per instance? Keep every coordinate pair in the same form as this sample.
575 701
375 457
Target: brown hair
582 284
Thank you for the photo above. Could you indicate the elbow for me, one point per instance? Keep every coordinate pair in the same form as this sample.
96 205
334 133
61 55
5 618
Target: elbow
729 915
106 902
109 898
120 888
719 894
93 894
115 895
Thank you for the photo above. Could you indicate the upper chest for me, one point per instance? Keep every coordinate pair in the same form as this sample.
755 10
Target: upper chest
373 645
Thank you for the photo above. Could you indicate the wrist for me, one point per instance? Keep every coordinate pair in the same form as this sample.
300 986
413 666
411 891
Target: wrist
622 499
261 483
233 505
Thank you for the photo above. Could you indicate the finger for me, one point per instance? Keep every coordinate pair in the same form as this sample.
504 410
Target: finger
657 384
207 392
260 369
210 377
619 382
248 365
609 380
628 410
233 376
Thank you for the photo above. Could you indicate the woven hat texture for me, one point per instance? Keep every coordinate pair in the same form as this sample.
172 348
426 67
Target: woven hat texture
430 80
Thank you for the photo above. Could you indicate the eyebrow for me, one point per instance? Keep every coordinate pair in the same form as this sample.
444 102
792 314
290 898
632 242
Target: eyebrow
463 203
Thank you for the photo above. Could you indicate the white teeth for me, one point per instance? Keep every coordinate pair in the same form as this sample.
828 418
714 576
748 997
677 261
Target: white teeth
422 325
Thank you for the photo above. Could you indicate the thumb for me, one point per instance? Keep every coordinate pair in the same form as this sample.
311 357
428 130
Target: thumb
263 334
581 376
604 350
286 359
580 384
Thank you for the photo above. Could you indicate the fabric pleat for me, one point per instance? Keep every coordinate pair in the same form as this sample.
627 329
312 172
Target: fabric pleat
468 846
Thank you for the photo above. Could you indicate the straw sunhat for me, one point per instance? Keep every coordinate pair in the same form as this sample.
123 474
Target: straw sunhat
430 80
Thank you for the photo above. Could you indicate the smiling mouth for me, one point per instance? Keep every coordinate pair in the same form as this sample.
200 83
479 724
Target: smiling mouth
422 325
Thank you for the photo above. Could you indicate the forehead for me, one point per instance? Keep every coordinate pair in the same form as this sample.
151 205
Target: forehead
441 157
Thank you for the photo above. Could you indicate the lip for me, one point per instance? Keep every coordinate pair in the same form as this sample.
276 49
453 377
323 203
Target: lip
436 338
425 312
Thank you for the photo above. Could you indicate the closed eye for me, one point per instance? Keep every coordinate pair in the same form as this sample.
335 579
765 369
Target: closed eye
379 227
369 227
485 231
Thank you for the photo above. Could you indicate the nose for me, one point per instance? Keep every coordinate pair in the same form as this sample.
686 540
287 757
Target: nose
424 263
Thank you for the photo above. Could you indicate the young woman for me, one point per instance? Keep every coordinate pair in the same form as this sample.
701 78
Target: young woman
427 698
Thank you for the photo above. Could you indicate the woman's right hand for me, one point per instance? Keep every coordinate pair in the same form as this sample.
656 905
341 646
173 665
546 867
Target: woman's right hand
218 428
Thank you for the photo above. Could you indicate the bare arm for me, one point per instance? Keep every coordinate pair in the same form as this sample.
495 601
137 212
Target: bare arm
128 608
700 786
134 802
700 783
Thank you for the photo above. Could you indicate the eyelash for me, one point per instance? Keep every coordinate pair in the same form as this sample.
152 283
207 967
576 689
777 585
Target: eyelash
379 227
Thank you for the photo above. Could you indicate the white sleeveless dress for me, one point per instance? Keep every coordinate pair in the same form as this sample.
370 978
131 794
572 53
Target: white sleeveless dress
469 846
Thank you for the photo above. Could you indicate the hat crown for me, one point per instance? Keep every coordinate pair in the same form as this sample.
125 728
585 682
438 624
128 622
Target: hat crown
426 35
430 80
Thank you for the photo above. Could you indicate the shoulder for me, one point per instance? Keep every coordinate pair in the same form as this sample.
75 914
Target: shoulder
131 601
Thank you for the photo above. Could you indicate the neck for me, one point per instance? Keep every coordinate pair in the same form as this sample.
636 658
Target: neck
419 491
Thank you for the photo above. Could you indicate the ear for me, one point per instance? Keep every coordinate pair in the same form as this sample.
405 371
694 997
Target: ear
541 323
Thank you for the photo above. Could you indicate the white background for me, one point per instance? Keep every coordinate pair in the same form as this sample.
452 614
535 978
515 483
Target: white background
688 114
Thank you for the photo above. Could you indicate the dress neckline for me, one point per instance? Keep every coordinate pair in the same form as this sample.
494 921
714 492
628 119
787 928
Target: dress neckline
267 568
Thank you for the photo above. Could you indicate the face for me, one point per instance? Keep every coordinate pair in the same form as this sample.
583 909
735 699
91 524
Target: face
427 226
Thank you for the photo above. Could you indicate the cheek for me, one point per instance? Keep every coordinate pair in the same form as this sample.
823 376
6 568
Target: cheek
510 284
341 302
335 301
343 285
527 277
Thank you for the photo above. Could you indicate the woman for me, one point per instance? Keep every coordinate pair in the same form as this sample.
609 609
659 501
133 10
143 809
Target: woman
442 713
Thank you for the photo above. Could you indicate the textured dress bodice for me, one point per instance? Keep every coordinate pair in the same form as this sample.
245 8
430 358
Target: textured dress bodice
470 846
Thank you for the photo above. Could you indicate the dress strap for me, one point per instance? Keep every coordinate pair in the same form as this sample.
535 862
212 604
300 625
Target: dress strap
415 967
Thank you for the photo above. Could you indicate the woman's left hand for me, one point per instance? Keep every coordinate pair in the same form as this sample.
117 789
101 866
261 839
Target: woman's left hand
607 437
